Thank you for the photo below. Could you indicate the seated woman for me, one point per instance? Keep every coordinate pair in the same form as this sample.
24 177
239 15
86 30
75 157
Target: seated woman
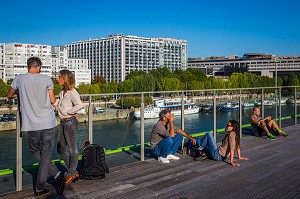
230 142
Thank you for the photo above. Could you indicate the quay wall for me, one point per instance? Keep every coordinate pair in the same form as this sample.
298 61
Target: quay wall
118 114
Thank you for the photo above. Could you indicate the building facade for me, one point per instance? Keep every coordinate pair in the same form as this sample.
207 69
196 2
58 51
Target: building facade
258 63
14 58
116 56
80 69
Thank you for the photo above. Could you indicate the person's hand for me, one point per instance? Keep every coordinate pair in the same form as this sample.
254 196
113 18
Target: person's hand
235 164
243 158
171 117
193 141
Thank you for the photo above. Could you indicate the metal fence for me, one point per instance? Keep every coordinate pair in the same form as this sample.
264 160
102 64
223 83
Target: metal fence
212 94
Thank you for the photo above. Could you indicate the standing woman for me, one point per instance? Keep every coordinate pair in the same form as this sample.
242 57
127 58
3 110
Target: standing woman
230 142
67 105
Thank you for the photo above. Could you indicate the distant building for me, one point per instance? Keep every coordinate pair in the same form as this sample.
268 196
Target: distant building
258 63
60 61
13 61
80 69
116 56
14 58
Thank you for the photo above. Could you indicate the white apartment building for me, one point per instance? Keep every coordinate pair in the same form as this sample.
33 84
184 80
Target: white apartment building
80 69
2 65
59 59
116 56
14 57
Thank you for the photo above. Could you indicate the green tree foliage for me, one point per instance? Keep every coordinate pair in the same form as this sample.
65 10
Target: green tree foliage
83 88
3 88
98 79
135 73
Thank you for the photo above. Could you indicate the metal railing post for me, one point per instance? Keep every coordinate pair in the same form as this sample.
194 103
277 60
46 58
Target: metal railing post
90 120
142 129
279 114
182 117
295 105
262 103
18 153
241 115
215 116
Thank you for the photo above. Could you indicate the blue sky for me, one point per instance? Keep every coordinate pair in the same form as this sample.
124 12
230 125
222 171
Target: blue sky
212 28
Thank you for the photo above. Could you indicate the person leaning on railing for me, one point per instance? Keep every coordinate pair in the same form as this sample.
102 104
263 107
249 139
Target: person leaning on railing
36 94
67 105
166 138
230 142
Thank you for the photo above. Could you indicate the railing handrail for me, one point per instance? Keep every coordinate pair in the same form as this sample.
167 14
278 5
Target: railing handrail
180 91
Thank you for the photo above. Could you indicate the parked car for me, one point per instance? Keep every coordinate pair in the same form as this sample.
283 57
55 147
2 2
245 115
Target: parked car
100 110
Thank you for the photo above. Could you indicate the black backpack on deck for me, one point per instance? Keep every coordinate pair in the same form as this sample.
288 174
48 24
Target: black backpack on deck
93 165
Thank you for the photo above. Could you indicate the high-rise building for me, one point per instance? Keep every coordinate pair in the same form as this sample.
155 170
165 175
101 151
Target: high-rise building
59 59
15 55
116 56
80 67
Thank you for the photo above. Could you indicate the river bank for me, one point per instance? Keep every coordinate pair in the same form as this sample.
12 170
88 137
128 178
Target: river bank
110 114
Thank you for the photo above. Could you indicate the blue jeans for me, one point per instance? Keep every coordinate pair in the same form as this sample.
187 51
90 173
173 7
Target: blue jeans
168 145
40 145
208 144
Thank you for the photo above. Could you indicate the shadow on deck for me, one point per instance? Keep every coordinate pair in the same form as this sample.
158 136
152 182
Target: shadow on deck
273 171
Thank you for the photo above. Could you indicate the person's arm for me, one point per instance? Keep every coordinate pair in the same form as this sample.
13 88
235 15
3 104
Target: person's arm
172 129
11 94
232 157
238 151
185 134
52 96
231 145
76 101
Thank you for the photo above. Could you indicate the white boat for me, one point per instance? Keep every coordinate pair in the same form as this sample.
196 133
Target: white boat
248 105
173 105
230 106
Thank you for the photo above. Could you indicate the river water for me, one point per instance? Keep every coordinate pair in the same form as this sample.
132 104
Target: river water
116 133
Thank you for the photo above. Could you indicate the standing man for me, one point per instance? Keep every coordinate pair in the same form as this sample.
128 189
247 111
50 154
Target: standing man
36 94
166 138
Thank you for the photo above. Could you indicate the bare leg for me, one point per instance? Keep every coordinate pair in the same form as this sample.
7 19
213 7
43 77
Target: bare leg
274 125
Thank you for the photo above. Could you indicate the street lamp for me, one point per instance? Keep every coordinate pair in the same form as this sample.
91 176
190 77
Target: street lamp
276 60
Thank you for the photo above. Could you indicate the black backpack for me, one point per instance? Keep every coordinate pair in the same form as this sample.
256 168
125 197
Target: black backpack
93 165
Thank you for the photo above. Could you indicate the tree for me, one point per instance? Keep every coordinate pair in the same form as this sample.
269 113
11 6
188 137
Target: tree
83 88
98 79
3 88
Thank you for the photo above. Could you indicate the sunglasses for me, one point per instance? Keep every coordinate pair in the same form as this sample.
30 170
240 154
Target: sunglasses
228 125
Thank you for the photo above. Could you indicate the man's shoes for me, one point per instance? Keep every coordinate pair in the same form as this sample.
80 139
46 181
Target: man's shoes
41 193
281 132
60 183
271 137
172 157
163 160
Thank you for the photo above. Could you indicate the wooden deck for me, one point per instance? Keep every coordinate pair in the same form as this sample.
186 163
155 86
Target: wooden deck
273 171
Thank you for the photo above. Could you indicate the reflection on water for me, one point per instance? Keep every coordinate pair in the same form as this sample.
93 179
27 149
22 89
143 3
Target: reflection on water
115 133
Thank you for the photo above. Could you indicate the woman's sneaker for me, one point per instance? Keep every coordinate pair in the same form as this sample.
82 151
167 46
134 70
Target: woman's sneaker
271 137
281 132
163 160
